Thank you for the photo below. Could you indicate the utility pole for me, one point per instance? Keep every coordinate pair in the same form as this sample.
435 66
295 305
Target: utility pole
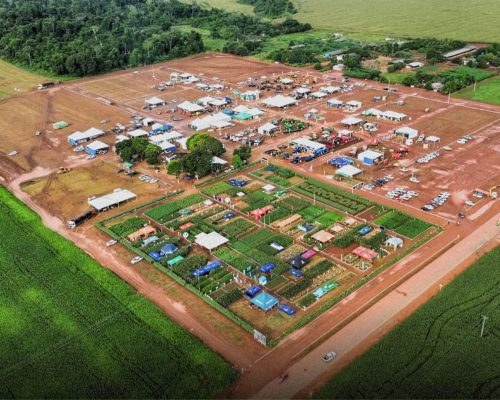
484 323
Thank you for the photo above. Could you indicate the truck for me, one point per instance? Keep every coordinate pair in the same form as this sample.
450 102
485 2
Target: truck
45 85
74 222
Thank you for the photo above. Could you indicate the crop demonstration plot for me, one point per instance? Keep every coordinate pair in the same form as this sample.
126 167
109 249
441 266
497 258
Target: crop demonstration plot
438 352
62 315
270 239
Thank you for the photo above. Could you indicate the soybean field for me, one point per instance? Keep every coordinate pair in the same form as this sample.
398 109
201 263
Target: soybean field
71 329
438 352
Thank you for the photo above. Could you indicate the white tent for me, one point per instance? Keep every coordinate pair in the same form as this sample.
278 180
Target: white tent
318 95
210 241
137 133
407 132
155 102
351 121
219 120
348 171
432 139
218 160
190 107
266 128
308 144
280 101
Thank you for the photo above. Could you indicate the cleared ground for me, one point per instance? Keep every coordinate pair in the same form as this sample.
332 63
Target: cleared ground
14 80
487 91
69 328
438 351
379 18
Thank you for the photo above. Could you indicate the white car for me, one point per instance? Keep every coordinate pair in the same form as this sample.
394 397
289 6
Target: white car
136 259
13 153
447 148
111 242
461 141
329 356
469 203
91 157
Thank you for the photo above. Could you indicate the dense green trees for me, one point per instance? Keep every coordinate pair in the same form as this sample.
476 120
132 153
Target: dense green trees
85 37
271 8
138 150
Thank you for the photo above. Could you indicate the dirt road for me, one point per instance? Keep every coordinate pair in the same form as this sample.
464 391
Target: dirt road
373 322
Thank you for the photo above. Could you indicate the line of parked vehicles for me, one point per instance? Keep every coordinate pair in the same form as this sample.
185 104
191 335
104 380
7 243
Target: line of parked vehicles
437 201
428 157
378 182
401 194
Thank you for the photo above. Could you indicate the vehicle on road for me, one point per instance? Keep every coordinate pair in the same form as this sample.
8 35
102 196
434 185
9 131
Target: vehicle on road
136 260
282 377
329 356
111 242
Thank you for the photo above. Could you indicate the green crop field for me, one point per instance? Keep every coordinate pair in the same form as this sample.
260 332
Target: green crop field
437 352
454 19
71 329
487 91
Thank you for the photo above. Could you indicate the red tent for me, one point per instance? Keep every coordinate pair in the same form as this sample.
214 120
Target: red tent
365 254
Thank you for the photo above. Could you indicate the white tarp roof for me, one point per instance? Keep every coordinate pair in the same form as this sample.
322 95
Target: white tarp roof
267 127
165 145
155 101
86 135
335 101
254 111
303 90
329 89
190 107
348 170
370 154
410 132
118 196
280 101
138 133
97 145
218 160
354 103
394 115
307 143
319 95
286 81
432 139
218 102
165 137
211 120
373 111
351 121
210 241
121 138
206 100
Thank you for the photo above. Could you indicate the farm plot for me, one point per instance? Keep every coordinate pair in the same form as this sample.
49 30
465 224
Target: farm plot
170 210
332 196
95 336
403 224
425 356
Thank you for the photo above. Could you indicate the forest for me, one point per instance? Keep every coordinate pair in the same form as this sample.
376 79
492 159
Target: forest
87 37
271 8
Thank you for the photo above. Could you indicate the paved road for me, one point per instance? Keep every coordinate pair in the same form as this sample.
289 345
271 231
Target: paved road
307 370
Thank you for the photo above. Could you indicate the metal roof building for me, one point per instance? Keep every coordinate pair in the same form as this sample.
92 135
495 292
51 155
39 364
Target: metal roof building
80 137
117 197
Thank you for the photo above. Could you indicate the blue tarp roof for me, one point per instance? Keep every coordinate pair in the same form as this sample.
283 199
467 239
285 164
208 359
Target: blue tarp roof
340 161
150 240
266 268
253 291
169 248
296 273
155 255
286 309
264 301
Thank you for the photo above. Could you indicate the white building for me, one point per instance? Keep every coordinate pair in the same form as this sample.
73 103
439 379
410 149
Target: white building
308 144
117 197
280 101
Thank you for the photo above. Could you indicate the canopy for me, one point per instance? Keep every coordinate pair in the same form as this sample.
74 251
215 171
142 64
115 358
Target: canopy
264 301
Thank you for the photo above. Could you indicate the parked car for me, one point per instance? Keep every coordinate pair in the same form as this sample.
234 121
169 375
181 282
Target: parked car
111 242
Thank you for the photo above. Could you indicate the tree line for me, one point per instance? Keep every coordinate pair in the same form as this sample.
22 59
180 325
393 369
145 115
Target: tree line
87 37
271 8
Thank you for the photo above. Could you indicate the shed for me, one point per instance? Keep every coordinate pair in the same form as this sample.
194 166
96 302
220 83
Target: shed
190 108
308 144
154 102
268 188
298 262
117 197
141 233
80 137
280 101
264 301
318 95
60 125
138 133
369 157
96 147
267 128
432 139
352 121
250 95
330 89
150 240
348 171
335 103
210 241
408 133
322 237
288 221
353 104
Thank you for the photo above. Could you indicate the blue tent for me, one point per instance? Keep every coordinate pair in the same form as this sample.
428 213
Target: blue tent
264 301
267 268
228 112
296 273
155 255
251 292
340 161
169 248
286 309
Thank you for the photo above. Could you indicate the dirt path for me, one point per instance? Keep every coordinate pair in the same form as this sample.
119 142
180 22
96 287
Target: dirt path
240 350
356 337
